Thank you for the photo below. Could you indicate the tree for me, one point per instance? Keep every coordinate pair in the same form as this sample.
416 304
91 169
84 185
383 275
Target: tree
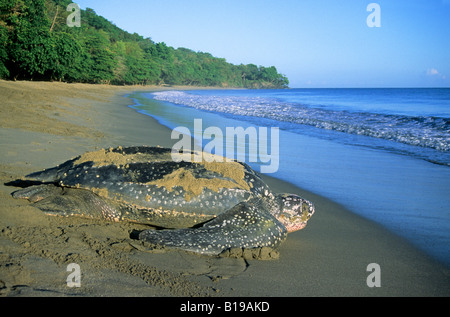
36 43
138 69
68 57
29 46
100 57
4 72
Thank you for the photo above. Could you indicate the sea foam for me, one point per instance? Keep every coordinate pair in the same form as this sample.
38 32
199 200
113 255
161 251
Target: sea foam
427 132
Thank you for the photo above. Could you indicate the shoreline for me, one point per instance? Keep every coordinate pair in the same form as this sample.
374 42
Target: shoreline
45 124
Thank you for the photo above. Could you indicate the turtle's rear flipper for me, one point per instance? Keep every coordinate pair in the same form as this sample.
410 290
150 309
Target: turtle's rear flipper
54 200
243 226
38 192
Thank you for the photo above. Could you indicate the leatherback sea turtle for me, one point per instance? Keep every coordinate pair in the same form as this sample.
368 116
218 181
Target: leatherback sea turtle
205 206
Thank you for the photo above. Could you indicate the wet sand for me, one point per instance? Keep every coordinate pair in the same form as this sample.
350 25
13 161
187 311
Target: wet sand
45 124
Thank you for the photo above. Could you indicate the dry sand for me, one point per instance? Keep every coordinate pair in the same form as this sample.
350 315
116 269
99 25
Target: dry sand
44 124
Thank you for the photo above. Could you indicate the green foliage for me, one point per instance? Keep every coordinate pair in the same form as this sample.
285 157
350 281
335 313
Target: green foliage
36 43
29 46
4 72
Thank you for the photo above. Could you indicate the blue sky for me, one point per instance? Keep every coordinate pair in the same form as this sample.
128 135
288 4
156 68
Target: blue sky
316 43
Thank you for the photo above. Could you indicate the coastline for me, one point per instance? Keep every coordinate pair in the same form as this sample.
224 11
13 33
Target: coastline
44 124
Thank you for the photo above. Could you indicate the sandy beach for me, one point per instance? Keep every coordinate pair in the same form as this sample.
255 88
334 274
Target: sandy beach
45 124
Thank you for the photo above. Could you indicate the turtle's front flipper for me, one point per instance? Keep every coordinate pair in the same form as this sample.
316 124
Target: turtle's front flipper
247 225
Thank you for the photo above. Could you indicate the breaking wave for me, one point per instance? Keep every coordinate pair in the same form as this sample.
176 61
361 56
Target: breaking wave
429 132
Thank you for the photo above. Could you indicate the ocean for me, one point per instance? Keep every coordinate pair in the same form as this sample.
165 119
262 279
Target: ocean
382 153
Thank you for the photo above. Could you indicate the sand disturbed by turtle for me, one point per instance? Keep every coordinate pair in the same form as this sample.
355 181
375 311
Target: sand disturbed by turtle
208 207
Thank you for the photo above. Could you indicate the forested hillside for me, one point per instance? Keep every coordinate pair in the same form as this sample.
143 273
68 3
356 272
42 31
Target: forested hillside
36 43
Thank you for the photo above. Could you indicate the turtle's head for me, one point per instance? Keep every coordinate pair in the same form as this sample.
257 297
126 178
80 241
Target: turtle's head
294 211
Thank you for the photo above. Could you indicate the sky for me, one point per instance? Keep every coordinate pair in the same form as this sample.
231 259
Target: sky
315 43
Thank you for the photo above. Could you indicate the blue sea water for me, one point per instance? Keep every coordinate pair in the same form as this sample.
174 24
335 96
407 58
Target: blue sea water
383 153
